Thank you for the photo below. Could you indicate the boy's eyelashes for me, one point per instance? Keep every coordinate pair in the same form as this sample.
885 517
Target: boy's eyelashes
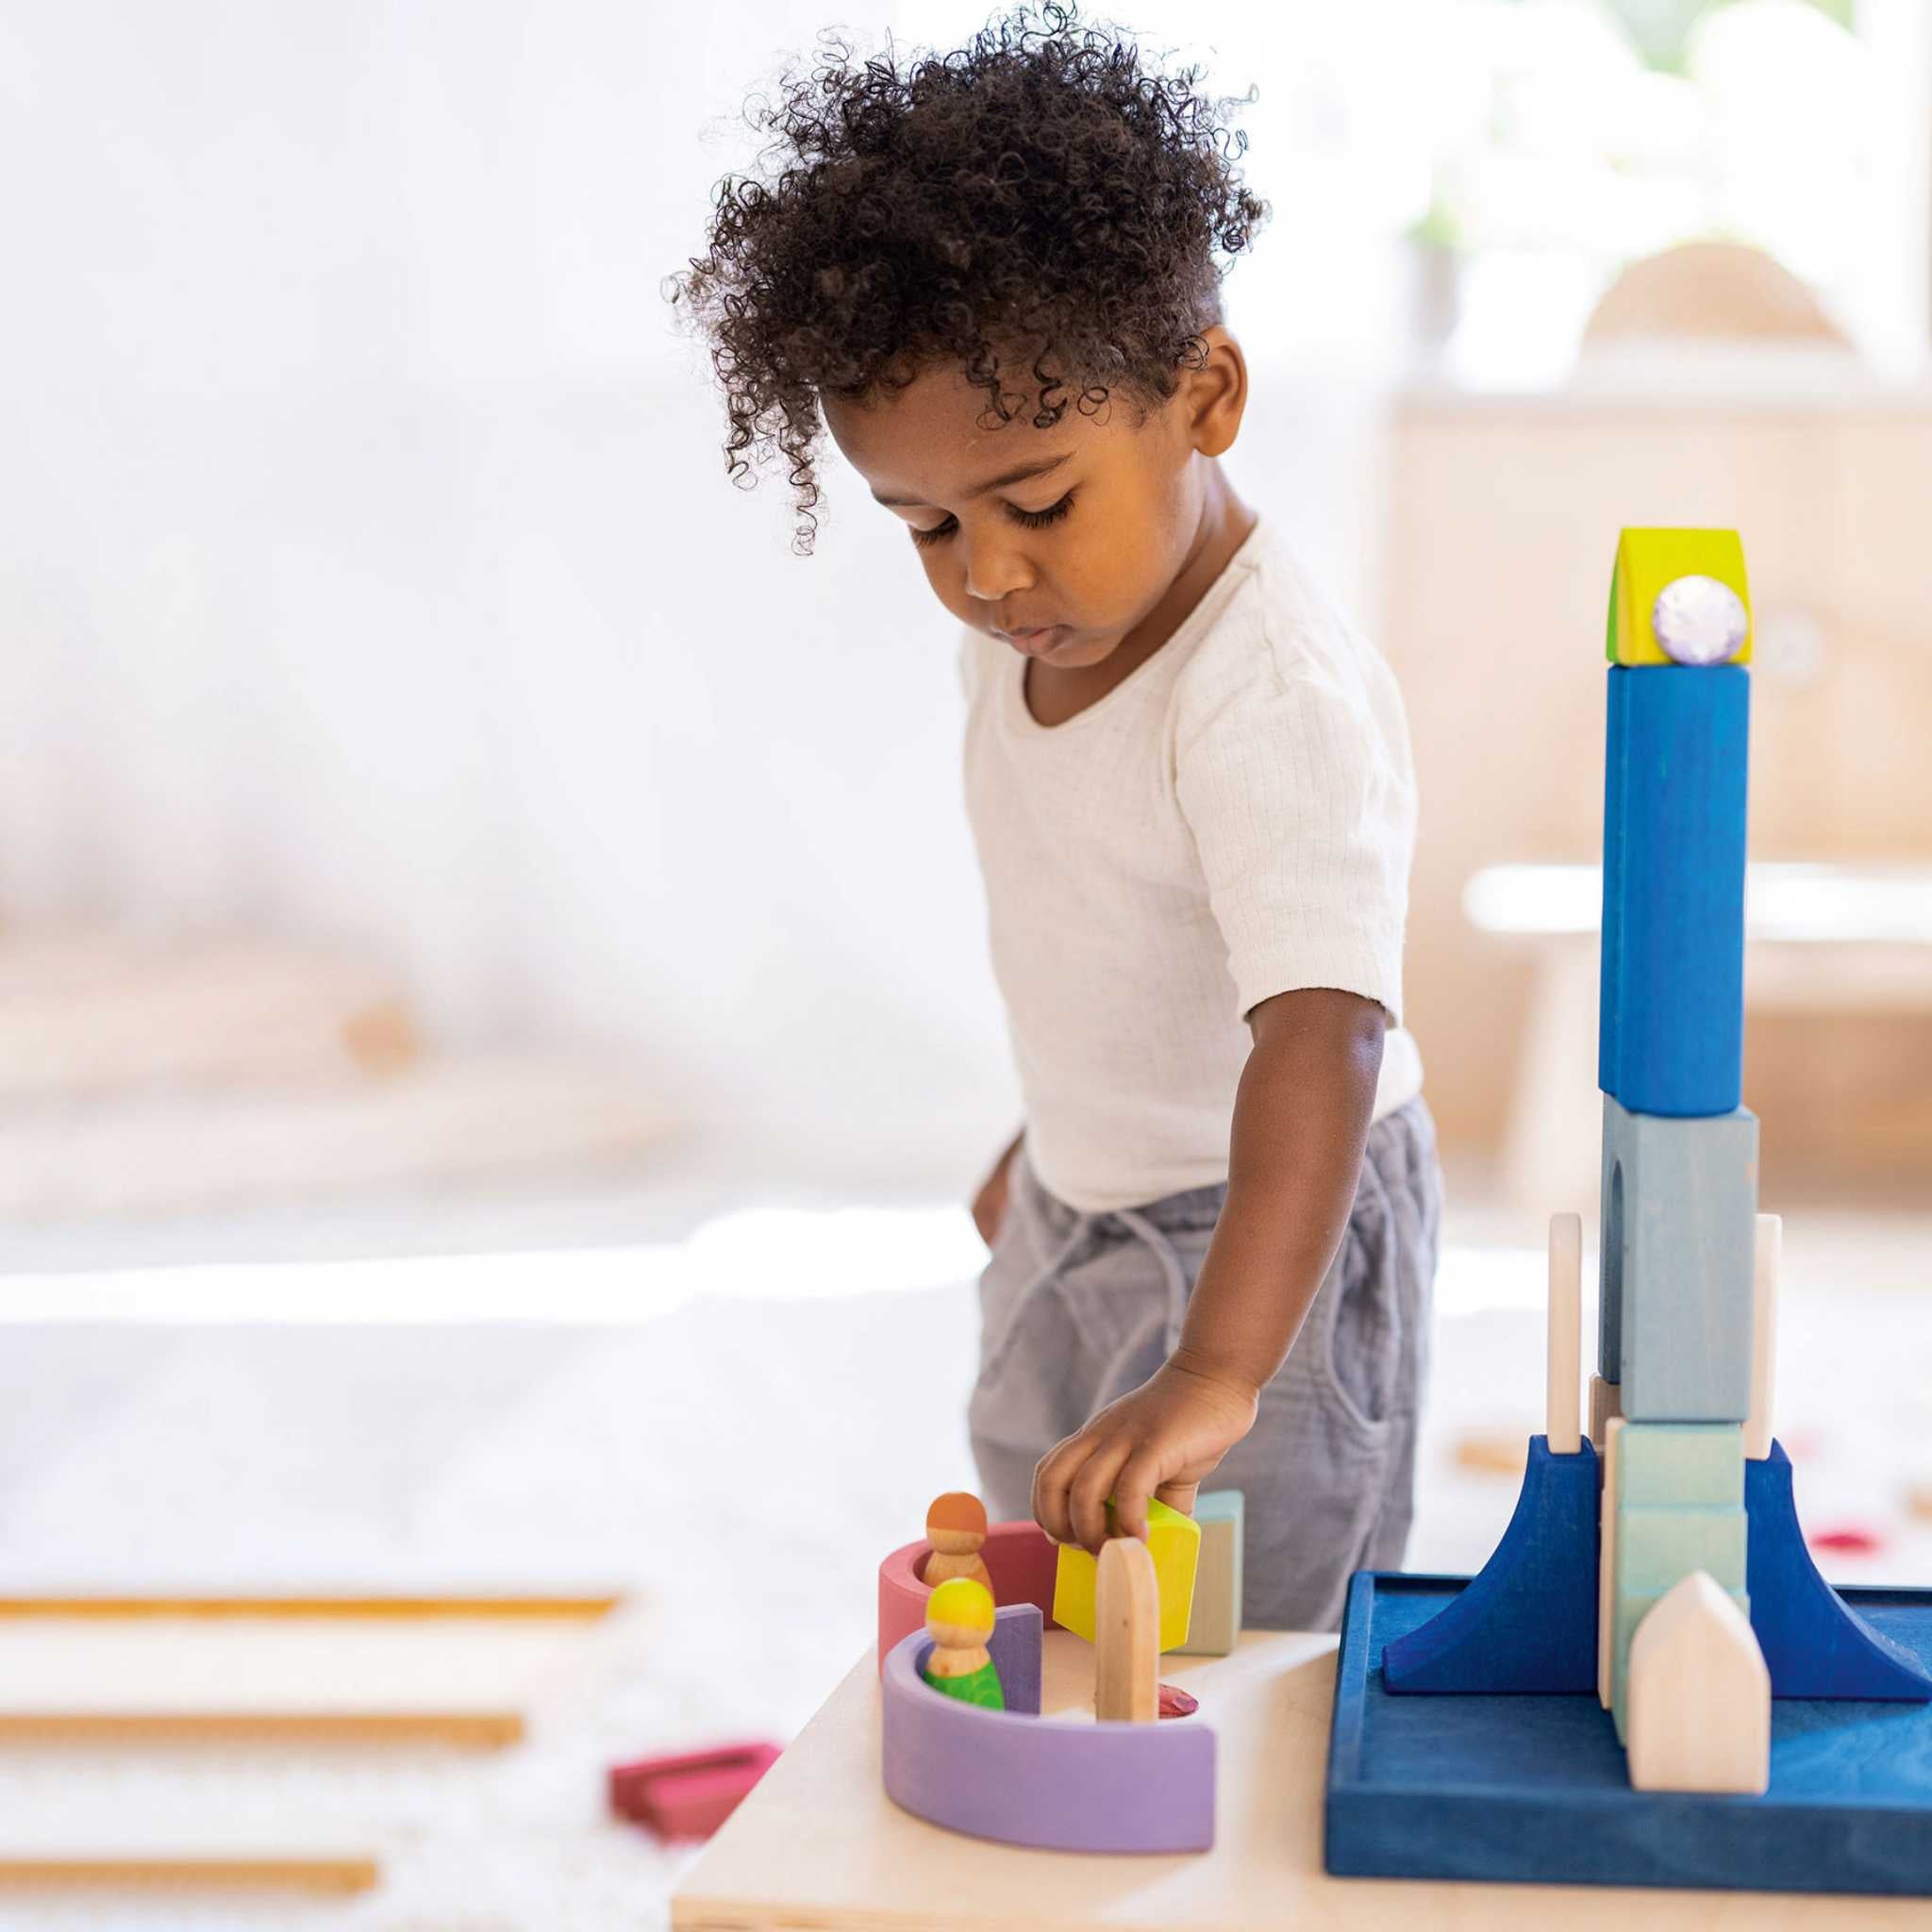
1032 519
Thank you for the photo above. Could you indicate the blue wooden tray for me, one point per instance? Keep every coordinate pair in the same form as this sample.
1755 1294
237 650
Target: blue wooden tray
1533 1789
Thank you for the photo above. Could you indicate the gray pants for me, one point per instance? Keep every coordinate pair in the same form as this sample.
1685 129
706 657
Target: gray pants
1077 1308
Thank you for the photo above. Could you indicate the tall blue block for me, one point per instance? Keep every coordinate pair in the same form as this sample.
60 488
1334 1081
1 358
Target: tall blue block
1670 1029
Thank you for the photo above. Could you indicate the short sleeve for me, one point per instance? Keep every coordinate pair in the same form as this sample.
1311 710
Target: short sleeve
1300 795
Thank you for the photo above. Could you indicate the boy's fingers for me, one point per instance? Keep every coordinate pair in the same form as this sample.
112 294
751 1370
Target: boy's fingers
1091 1486
1131 1489
1051 1475
1179 1496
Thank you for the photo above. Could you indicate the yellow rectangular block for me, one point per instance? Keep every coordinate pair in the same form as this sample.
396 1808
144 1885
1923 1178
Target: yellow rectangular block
1174 1542
1647 561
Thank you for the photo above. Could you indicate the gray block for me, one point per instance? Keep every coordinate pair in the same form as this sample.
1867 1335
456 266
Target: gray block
1679 1207
1216 1625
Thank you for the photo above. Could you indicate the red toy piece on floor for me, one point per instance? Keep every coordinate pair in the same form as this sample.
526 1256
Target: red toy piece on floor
1174 1702
1848 1539
692 1795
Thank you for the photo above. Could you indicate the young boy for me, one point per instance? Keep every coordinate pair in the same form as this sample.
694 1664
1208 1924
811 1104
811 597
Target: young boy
997 274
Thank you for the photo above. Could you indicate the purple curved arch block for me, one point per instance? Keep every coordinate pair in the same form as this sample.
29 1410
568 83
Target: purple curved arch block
1060 1786
1528 1623
1814 1643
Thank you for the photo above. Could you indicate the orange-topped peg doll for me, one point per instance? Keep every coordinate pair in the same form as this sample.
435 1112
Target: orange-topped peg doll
955 1528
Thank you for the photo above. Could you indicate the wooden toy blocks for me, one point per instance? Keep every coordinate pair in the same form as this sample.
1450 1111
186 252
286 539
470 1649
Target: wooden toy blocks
688 1795
1174 1542
1671 1015
1700 1697
1677 1507
1679 597
1126 1681
1680 1204
1215 1626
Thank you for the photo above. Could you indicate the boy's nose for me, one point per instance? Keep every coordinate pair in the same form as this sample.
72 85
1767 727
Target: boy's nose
995 573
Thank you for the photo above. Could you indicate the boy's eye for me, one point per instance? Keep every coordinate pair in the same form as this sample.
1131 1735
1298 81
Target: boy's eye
1032 519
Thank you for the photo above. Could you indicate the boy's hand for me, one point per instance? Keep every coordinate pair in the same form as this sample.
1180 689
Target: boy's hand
1160 1439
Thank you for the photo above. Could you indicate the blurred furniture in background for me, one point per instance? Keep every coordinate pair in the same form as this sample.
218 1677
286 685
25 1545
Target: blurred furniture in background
1504 510
141 1075
1706 289
1816 937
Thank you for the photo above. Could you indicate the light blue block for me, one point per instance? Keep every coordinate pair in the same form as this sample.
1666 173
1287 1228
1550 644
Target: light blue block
1680 1507
1680 1466
1658 1548
1679 1212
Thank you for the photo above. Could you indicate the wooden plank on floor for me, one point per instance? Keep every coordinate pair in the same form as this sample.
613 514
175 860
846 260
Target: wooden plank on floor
468 1679
207 1872
587 1606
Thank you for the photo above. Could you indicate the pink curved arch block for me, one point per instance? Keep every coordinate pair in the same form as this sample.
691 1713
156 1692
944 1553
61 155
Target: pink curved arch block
1020 1556
1046 1782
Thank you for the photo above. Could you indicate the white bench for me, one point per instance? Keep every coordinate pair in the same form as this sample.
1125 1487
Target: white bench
1816 937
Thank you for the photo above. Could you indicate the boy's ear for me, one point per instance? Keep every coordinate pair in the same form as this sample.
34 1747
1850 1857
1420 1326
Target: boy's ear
1217 392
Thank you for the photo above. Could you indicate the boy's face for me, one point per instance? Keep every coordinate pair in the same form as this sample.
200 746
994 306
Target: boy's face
1062 564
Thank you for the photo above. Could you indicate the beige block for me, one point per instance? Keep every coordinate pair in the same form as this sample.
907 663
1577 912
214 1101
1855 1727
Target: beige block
1605 1400
1216 1623
1699 1695
1127 1632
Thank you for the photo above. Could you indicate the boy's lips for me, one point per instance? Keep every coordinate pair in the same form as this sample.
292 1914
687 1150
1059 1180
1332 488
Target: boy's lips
1039 638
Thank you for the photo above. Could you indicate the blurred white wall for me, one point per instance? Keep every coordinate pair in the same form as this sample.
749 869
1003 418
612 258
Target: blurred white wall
372 572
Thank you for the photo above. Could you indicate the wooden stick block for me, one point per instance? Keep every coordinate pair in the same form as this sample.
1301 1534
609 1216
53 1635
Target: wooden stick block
108 1870
1562 1425
1767 1254
1699 1695
1127 1669
1606 1556
1605 1400
1681 1198
1216 1625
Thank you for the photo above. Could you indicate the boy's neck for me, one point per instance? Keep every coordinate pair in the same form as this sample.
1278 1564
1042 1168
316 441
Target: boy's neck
1054 695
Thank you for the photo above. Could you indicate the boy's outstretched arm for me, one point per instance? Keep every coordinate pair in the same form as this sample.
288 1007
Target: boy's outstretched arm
1301 1121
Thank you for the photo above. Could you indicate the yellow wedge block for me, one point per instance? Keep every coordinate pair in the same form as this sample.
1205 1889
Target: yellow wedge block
1174 1541
1650 563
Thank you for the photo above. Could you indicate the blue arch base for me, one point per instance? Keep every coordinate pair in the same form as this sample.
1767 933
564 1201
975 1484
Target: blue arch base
1528 1623
1813 1643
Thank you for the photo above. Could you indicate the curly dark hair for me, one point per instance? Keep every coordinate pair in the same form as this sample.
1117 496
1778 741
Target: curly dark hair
1038 189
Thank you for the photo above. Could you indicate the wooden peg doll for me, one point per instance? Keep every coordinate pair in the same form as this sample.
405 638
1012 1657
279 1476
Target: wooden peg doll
955 1528
959 1619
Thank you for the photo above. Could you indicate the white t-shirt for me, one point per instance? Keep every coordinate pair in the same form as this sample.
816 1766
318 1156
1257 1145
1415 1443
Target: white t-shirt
1234 820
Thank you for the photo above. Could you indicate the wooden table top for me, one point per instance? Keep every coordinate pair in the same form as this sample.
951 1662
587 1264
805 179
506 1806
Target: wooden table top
819 1847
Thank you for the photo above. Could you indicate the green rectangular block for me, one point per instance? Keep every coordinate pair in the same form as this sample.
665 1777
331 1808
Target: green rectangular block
1658 1548
1217 1624
1681 1465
